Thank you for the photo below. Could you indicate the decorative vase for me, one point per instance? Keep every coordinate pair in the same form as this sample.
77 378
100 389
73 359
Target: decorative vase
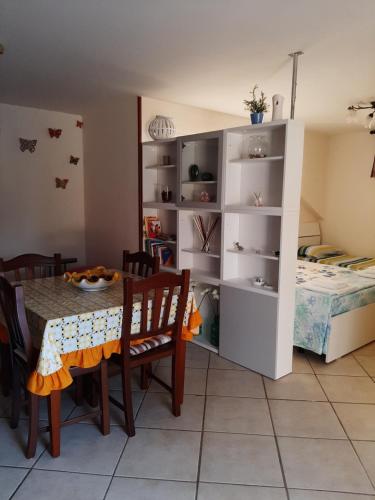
277 107
214 331
193 173
161 127
256 118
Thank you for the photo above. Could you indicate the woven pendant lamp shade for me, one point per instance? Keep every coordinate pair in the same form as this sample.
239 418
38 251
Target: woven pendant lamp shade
161 127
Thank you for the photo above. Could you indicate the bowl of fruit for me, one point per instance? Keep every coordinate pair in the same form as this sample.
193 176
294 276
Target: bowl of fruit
93 280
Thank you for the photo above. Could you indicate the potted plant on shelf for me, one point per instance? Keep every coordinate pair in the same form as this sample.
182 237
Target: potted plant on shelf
256 106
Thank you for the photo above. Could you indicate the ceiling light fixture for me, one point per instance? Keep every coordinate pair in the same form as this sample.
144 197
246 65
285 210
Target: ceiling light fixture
368 120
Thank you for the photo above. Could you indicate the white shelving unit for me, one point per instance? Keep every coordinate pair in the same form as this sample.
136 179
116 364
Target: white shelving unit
256 322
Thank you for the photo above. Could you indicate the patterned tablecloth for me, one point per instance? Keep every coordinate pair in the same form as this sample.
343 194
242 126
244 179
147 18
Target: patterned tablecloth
64 319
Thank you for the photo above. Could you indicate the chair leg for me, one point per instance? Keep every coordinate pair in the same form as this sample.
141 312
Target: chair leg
180 367
16 397
5 369
33 424
104 398
176 398
127 399
146 372
90 386
54 407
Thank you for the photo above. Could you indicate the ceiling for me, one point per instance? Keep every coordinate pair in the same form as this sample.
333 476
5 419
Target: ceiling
66 55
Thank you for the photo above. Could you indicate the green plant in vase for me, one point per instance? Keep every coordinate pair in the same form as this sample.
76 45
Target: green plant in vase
257 106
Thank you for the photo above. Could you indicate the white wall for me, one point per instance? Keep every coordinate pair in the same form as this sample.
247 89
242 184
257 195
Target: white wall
111 180
187 119
34 215
350 193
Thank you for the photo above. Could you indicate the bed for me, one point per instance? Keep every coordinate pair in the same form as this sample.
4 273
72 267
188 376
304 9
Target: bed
337 321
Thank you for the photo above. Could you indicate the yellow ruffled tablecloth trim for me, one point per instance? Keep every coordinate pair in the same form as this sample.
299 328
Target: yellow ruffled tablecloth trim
87 358
3 334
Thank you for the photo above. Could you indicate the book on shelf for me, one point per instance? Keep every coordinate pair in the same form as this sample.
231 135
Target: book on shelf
151 226
158 248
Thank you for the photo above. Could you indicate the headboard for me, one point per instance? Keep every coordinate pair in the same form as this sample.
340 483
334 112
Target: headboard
309 234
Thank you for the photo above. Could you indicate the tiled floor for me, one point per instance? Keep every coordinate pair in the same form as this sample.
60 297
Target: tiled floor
308 436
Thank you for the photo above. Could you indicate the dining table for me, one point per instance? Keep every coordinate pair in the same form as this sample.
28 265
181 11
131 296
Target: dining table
72 327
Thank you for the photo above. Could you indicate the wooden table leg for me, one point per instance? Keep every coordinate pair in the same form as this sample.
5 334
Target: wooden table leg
54 407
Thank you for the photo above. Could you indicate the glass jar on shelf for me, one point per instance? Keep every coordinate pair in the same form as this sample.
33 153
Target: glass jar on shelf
258 146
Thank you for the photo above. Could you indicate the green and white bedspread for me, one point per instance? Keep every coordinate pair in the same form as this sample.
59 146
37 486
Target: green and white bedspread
315 306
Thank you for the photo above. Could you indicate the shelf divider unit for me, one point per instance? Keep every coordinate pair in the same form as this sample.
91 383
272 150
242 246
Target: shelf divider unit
256 320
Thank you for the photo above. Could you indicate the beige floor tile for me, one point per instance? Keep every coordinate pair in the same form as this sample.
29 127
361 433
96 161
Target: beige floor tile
45 484
323 464
368 349
10 478
208 491
366 452
161 454
348 389
305 419
296 386
367 363
156 412
342 366
196 357
301 363
123 488
234 383
195 380
220 363
357 419
326 495
240 459
237 415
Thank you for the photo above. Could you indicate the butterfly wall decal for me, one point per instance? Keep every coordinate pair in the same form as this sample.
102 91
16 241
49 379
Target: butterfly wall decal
79 124
74 160
27 144
61 183
55 132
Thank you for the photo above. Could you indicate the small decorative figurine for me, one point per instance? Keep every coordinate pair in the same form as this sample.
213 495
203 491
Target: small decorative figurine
276 253
259 281
193 172
258 199
205 196
207 176
237 246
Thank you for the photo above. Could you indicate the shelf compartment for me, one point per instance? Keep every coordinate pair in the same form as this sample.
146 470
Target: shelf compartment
257 160
245 284
199 182
248 209
159 170
252 253
159 205
198 251
204 276
155 167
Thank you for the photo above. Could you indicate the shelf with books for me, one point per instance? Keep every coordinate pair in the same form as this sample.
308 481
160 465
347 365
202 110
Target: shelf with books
159 235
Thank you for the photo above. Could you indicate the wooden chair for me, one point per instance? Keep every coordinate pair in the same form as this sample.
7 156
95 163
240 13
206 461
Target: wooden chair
23 364
144 265
160 339
26 266
140 263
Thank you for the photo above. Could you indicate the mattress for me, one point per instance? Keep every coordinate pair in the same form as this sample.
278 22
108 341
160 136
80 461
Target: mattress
315 307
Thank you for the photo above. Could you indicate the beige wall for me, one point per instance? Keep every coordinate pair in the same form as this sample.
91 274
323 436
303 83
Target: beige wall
111 180
350 193
315 161
187 119
35 217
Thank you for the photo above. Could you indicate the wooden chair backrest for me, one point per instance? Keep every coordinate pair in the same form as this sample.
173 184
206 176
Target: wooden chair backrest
30 266
140 263
13 309
160 289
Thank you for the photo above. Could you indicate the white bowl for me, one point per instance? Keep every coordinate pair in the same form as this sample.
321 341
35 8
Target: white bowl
89 286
